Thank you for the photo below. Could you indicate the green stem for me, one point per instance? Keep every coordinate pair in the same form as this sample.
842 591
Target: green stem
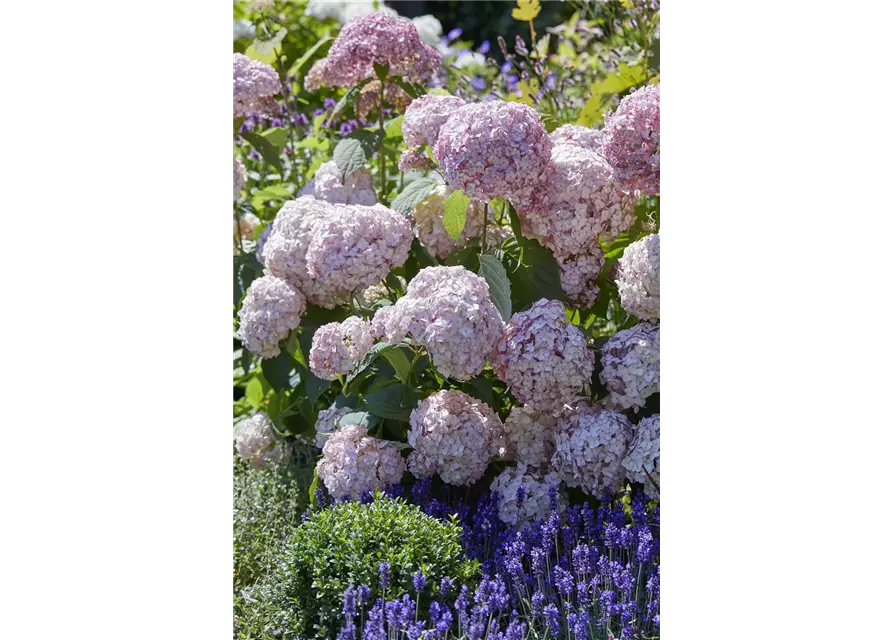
381 158
484 234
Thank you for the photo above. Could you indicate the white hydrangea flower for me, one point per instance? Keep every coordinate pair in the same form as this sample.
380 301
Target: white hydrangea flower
642 461
354 462
533 489
271 310
638 278
432 235
285 250
530 436
327 423
449 311
543 358
453 436
329 184
430 29
631 365
590 444
240 177
470 59
256 442
344 10
337 347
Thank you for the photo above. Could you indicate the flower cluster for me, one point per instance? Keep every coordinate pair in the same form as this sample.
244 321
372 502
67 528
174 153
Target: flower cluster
449 311
638 278
631 365
330 184
429 227
379 291
524 496
337 347
632 140
413 160
244 227
271 309
254 85
578 276
590 444
327 423
379 39
543 358
370 97
530 436
642 461
453 436
256 442
425 116
331 251
240 177
354 463
493 150
571 134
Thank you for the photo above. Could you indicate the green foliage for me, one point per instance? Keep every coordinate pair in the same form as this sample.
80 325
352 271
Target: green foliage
345 545
412 194
267 507
500 289
454 213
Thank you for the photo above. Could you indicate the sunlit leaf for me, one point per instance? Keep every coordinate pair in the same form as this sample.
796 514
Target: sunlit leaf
526 10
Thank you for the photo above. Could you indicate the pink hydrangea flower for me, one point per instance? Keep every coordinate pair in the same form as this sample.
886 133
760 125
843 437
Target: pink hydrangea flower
638 278
272 308
530 436
425 116
354 462
327 423
337 347
574 135
412 160
254 85
642 461
453 436
493 150
534 489
240 176
578 276
632 140
329 184
285 249
631 365
315 78
543 358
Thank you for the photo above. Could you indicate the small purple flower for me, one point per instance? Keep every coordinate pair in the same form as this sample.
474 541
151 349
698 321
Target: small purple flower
506 67
454 33
418 581
446 585
485 47
329 103
553 619
384 573
478 83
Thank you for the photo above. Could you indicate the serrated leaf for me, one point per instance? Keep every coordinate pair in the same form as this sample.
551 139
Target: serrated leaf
412 194
370 357
600 92
254 392
500 289
349 155
526 10
278 371
277 136
454 213
393 401
364 418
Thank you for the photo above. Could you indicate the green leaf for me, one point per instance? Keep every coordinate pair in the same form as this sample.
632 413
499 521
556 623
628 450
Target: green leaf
393 401
350 97
277 136
321 47
265 148
500 289
394 128
364 364
454 209
313 487
271 192
314 143
349 155
399 361
601 92
364 418
278 371
412 194
381 71
254 392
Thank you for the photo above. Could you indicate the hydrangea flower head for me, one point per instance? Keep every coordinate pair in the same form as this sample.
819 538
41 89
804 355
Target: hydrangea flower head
530 437
543 358
590 445
425 116
330 184
272 308
493 150
454 436
638 278
578 136
316 76
413 160
631 365
370 98
578 276
642 461
337 347
632 140
285 250
256 442
449 311
432 235
354 462
254 85
327 423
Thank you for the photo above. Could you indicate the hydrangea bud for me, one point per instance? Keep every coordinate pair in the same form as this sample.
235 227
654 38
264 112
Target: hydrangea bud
632 140
256 442
354 462
271 310
523 495
254 85
638 278
337 347
631 365
642 461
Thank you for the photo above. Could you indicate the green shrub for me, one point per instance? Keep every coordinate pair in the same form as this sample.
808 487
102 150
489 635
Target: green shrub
345 545
267 507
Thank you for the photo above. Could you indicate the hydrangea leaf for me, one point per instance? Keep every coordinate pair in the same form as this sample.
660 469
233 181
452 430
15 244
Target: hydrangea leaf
412 194
265 148
500 289
277 136
254 392
454 209
349 155
399 361
321 47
